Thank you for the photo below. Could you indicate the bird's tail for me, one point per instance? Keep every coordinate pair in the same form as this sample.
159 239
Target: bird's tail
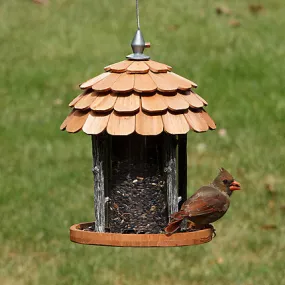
174 224
172 227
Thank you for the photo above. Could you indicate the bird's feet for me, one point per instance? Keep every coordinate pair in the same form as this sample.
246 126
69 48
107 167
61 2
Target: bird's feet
191 226
194 227
213 230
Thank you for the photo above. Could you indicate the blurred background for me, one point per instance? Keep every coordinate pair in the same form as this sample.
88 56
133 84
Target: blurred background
234 50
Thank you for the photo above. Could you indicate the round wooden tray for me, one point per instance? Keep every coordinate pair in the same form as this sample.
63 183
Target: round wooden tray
78 235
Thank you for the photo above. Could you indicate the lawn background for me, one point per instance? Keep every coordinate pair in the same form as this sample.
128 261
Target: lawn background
45 174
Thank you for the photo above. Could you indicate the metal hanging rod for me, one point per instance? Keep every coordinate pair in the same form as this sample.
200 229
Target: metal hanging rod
138 14
138 43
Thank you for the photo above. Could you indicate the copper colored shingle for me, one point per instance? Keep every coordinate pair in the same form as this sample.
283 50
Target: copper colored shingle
157 67
193 100
121 124
76 99
94 80
163 84
85 101
106 83
138 67
148 125
176 103
127 104
145 97
202 99
175 124
208 119
104 103
144 83
67 119
125 83
195 121
154 104
182 82
119 66
76 121
96 123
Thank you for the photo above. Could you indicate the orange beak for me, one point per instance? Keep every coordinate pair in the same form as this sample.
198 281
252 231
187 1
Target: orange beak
235 186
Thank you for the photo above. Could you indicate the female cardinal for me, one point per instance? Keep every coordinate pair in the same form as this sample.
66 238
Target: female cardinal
208 204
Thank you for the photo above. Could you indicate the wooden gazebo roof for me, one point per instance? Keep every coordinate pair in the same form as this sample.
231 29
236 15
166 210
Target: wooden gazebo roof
143 97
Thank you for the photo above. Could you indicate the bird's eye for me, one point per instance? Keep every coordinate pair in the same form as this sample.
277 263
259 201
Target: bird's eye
225 181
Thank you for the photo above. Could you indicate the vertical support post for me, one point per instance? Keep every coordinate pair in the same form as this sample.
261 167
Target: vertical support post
107 176
99 183
182 168
171 173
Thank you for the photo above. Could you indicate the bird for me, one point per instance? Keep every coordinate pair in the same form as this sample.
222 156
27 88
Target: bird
207 205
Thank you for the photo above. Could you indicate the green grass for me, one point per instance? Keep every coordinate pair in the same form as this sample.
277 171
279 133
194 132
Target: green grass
45 177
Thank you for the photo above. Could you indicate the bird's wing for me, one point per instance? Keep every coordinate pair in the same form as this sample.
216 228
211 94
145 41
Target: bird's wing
205 201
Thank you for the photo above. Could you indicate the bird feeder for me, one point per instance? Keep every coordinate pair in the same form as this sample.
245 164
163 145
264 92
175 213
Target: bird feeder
138 113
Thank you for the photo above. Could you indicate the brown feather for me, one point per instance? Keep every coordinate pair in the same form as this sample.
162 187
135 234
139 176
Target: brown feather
172 227
206 200
176 220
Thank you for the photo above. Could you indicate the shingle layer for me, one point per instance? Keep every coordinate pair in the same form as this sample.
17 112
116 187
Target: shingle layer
145 97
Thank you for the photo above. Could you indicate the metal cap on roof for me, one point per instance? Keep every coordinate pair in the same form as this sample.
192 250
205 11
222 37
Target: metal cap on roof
138 46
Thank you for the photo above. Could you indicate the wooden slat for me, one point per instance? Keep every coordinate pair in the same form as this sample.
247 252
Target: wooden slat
175 124
157 67
154 103
182 168
148 125
193 100
67 119
144 83
182 83
104 103
85 101
170 168
202 99
176 102
209 120
99 154
124 83
127 104
76 121
138 67
196 122
75 100
94 80
119 66
162 82
95 123
169 67
106 83
121 125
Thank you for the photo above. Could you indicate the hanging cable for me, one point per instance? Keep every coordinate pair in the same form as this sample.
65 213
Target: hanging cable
138 15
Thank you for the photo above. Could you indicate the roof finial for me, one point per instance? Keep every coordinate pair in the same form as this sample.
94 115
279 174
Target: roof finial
138 43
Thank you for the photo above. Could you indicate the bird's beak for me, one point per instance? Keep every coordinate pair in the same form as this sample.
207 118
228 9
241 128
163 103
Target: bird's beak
235 186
